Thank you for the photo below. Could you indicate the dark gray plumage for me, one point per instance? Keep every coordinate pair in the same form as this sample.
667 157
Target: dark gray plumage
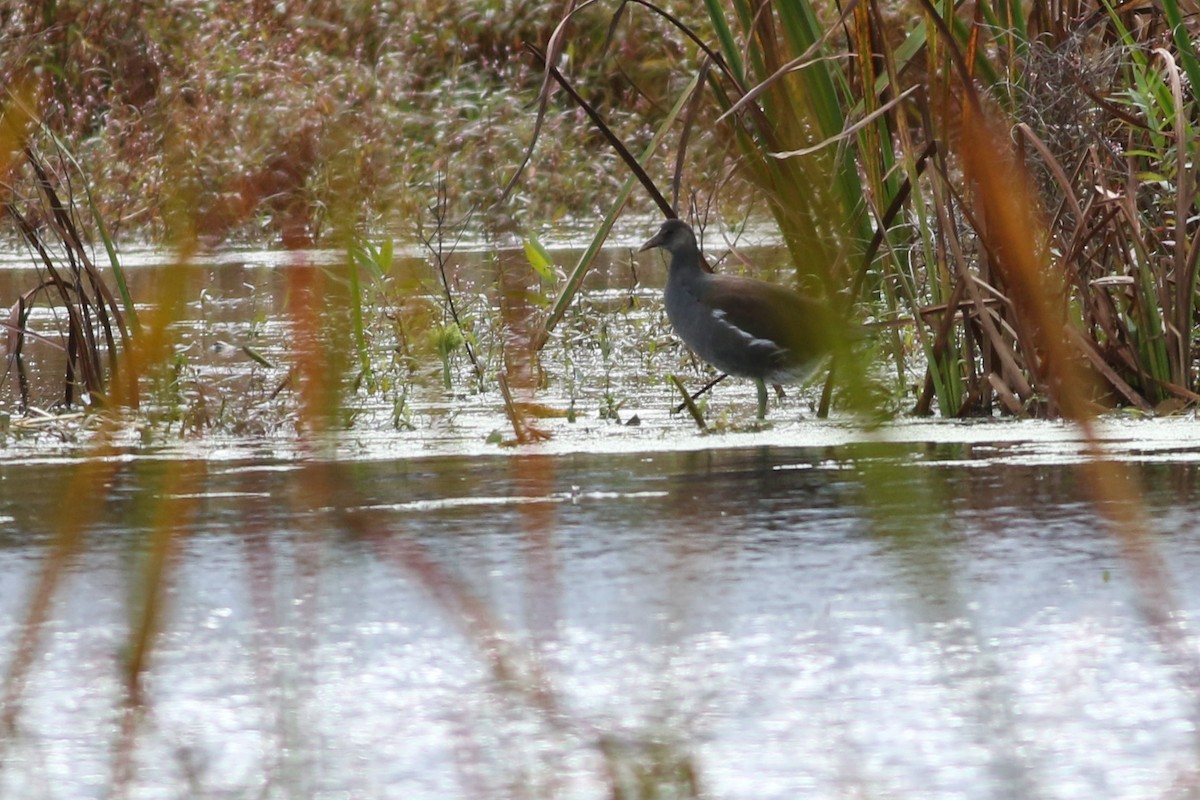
742 326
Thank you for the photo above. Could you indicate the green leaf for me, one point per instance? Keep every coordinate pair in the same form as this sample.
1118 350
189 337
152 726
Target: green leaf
539 259
375 260
386 255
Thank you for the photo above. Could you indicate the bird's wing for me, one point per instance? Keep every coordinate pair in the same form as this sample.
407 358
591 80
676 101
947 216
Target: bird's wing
766 311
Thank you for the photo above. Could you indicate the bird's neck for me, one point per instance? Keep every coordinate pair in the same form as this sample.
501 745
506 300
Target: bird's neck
685 266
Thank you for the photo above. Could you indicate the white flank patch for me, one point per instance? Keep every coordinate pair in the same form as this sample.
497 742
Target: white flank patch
754 341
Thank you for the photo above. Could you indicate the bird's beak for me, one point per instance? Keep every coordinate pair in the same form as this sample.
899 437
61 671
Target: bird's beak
655 241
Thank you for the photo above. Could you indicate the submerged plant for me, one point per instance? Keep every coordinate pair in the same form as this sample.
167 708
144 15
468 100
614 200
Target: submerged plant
447 340
376 261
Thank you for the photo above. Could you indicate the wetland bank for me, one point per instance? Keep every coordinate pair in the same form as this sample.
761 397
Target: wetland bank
365 477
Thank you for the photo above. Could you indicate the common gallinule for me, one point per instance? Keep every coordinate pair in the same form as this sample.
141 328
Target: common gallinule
742 326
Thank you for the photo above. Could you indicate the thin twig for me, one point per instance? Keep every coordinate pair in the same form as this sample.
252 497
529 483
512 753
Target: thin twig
436 244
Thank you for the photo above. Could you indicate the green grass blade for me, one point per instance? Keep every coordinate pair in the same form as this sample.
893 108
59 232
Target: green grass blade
1183 43
733 55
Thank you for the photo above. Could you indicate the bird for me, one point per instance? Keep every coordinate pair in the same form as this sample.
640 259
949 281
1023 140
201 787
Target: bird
742 326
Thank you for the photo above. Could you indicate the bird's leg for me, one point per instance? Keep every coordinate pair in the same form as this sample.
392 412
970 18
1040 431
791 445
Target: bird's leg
762 399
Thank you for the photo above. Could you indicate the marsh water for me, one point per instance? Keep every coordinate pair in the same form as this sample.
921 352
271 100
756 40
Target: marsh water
408 608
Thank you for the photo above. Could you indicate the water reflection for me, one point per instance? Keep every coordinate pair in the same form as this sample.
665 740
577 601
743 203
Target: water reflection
770 622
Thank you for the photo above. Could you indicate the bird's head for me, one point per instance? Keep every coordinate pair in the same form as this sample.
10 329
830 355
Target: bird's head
675 236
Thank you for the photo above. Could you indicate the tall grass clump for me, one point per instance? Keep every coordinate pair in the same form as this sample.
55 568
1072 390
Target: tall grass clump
42 208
